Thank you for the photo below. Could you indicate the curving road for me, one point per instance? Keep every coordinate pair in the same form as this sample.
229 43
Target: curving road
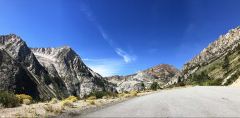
183 102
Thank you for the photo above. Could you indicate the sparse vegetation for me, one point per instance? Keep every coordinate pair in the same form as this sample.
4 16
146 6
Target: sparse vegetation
203 79
8 99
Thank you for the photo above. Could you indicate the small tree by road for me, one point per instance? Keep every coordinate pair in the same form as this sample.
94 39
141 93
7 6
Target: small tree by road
154 86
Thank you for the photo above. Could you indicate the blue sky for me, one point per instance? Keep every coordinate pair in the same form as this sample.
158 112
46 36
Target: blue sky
121 36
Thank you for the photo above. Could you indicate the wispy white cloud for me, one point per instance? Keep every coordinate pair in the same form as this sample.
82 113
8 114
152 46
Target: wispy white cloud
105 67
91 17
86 10
127 57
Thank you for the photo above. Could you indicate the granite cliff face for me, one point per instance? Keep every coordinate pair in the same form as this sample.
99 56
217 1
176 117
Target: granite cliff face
45 73
220 61
164 74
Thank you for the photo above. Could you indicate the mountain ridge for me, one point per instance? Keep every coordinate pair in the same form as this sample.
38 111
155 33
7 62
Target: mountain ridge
164 74
218 61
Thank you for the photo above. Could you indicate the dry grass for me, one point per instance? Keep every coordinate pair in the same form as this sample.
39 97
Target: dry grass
127 95
133 93
92 98
67 103
91 102
72 98
53 108
26 101
24 98
54 101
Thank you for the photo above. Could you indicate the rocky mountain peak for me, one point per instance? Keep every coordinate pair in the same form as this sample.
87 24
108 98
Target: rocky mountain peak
54 52
162 70
65 63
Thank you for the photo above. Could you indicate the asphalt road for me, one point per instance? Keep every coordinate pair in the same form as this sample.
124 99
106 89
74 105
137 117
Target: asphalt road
183 102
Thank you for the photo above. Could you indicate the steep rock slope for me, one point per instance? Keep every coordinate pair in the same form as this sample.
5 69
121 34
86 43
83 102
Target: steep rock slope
164 74
218 64
14 77
63 62
24 74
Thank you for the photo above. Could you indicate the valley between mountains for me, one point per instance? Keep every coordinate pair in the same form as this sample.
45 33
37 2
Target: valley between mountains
57 80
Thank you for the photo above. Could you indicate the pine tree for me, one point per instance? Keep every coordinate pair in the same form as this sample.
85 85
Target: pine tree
225 63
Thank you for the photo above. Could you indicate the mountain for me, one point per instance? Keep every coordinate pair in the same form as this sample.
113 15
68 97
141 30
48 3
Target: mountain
218 64
63 62
24 74
45 73
164 74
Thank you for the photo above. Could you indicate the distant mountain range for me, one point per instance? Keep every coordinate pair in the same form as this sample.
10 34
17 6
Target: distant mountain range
46 73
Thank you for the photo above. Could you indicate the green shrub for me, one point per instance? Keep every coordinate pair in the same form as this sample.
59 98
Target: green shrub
8 99
100 94
143 85
154 86
225 63
199 79
214 82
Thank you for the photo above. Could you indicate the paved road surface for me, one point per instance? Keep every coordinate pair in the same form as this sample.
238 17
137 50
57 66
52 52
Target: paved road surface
191 102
